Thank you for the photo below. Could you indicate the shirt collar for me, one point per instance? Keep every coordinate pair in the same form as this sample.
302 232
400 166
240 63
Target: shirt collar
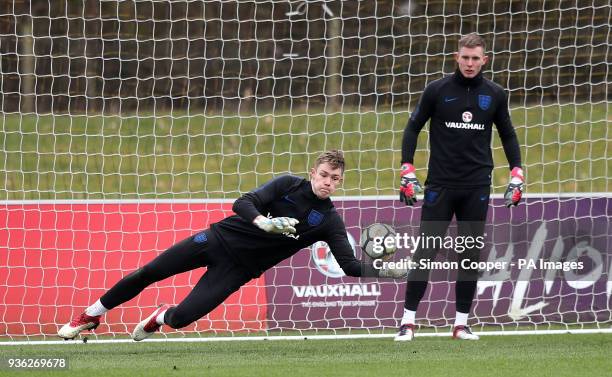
307 191
464 81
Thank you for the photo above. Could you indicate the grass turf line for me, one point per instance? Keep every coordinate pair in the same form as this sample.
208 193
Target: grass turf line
545 355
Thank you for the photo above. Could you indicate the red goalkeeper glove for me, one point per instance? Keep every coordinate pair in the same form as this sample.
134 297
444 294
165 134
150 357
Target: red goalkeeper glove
514 192
409 185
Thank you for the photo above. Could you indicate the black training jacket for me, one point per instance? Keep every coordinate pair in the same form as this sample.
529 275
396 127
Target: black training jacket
286 196
462 112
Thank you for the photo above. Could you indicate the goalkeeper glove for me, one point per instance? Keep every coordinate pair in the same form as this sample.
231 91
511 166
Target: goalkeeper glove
277 225
393 273
409 185
514 192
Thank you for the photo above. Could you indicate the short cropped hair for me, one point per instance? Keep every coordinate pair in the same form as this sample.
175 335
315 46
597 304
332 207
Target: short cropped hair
334 157
472 40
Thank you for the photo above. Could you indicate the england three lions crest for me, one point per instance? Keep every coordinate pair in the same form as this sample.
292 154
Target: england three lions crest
315 218
484 102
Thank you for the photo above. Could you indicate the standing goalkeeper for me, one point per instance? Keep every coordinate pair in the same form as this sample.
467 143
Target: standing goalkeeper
241 247
462 108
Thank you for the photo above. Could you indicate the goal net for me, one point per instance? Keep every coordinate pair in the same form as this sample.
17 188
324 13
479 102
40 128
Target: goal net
128 126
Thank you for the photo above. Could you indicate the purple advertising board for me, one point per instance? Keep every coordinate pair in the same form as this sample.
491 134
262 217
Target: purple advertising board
548 263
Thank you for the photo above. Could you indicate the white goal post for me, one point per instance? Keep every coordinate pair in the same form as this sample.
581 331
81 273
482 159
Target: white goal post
127 126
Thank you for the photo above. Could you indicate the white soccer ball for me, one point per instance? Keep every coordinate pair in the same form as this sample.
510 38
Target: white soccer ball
373 240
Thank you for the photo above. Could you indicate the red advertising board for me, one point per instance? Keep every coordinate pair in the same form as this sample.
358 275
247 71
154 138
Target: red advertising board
55 259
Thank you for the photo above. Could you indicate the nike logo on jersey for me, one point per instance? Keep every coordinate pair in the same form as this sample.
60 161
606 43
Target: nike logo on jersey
450 99
288 199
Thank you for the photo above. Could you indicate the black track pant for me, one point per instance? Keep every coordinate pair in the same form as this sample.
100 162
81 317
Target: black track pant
440 204
222 278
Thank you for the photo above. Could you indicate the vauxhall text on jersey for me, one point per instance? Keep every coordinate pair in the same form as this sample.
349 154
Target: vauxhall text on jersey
292 197
462 112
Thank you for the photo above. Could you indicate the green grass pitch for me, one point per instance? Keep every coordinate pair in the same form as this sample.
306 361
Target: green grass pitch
498 356
565 148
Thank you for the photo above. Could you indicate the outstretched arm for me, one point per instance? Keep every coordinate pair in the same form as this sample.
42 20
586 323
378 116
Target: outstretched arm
343 252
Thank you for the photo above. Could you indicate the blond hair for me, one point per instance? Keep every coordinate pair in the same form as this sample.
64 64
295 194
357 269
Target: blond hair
334 157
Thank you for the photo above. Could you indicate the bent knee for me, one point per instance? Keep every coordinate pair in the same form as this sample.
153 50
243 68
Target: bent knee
178 319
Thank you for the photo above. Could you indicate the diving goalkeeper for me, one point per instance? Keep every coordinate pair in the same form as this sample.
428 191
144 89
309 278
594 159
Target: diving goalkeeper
298 213
462 108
